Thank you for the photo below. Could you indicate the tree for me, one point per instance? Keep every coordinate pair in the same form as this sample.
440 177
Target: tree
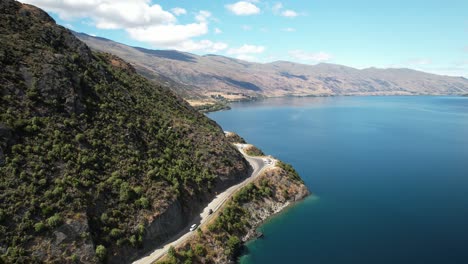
101 252
39 227
200 250
171 252
233 245
54 220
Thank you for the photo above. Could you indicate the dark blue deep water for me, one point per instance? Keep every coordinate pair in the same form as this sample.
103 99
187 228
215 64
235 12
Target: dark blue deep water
389 177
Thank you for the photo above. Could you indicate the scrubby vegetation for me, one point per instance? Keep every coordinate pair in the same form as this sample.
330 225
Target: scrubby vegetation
224 232
291 172
253 151
213 107
221 241
86 142
235 138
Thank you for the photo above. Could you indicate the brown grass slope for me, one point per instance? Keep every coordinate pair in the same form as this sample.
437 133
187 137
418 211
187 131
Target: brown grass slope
211 74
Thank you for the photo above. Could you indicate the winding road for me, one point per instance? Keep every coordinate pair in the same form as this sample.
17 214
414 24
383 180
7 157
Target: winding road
259 164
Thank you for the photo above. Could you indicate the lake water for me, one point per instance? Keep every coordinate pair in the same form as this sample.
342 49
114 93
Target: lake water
389 177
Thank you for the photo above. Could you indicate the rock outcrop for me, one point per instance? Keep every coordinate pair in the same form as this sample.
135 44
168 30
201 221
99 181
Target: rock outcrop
285 193
221 241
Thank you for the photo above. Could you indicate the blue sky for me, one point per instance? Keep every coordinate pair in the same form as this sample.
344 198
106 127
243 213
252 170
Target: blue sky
429 35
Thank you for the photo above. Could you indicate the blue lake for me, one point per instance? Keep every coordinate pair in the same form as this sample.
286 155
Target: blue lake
389 177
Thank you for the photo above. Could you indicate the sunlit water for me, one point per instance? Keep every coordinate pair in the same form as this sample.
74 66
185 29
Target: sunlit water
389 177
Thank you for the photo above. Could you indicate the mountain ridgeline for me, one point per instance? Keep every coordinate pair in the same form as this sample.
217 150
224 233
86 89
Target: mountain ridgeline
211 75
96 162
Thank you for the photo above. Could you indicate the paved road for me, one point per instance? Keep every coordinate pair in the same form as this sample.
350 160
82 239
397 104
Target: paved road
258 164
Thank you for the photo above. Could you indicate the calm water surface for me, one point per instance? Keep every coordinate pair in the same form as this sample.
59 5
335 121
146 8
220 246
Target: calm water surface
389 177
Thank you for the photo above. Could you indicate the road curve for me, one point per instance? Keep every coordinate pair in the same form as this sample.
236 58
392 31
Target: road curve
258 164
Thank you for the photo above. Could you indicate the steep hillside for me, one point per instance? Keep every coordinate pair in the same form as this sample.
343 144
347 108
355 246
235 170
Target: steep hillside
213 75
221 242
96 162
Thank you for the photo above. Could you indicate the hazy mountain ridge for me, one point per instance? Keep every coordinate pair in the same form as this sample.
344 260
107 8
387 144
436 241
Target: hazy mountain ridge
212 73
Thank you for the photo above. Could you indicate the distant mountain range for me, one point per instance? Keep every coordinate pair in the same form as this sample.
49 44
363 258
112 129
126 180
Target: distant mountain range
210 75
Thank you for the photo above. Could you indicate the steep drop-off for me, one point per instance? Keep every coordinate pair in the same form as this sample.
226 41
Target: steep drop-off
96 162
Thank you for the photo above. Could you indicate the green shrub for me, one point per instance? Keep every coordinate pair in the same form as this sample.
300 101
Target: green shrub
200 250
79 137
253 151
126 193
101 252
104 218
39 227
143 202
54 220
292 173
171 252
133 241
141 229
115 233
2 215
233 246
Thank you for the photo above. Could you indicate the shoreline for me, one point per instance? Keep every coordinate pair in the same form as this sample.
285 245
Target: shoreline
228 104
216 204
221 239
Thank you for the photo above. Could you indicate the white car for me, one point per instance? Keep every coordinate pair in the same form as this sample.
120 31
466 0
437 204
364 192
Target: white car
193 227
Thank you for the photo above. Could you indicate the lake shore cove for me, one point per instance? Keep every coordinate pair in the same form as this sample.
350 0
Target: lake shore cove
222 239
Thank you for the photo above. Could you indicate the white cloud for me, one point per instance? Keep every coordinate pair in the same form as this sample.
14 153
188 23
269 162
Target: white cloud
218 46
466 49
107 14
419 62
243 8
246 49
289 29
278 10
461 63
246 57
246 52
218 31
203 16
277 7
178 11
140 19
204 45
311 57
450 70
289 13
246 27
168 35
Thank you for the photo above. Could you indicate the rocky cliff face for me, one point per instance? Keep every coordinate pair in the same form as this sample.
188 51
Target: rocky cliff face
96 162
285 192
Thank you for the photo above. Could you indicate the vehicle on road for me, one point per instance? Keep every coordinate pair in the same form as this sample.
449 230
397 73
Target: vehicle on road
210 211
193 227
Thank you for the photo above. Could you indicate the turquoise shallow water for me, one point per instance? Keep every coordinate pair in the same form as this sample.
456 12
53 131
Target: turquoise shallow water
389 177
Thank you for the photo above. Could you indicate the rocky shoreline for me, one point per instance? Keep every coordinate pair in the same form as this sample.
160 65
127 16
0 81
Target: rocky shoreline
262 212
223 239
